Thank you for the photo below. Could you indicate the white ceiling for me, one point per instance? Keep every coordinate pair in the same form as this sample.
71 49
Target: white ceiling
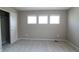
41 8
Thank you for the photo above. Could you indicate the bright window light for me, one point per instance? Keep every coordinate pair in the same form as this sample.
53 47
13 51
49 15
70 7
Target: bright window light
31 19
54 19
43 19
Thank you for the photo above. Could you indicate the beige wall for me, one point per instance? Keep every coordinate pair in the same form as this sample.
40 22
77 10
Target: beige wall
73 26
47 31
13 23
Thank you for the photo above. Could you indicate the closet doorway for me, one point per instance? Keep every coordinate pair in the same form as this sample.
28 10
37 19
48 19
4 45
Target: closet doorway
5 27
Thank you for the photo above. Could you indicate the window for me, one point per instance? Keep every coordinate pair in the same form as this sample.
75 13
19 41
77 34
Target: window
31 19
54 19
43 19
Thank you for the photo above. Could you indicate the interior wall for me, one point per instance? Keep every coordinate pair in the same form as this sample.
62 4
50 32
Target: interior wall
73 25
43 31
13 23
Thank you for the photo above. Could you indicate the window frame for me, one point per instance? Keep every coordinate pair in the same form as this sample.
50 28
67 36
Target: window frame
34 16
47 19
54 15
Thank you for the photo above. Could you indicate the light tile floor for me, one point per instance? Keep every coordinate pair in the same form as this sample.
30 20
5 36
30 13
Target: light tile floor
38 46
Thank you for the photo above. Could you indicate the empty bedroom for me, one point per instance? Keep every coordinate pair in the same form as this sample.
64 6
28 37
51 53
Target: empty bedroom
39 29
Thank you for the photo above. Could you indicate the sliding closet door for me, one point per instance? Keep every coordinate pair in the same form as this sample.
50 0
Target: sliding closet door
3 29
0 35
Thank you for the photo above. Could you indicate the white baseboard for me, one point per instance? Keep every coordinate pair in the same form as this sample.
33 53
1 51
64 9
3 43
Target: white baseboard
41 39
76 47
